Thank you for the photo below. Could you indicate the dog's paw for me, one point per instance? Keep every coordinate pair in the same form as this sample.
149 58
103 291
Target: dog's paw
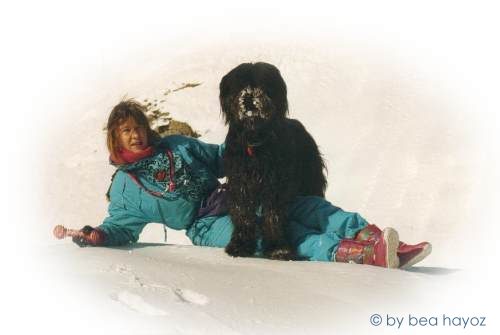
237 249
281 254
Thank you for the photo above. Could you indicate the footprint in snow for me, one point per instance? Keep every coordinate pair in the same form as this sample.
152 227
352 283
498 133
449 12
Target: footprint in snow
136 303
192 297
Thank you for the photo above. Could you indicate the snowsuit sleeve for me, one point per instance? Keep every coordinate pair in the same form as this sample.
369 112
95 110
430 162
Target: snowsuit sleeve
209 155
121 227
125 221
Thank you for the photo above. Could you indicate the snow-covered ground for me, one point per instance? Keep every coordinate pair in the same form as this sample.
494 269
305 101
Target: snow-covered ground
402 112
172 289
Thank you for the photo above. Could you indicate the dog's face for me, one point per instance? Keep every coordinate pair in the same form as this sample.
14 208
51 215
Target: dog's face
252 96
252 108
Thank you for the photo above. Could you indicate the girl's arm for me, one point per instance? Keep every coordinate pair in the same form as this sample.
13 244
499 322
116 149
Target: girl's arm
121 227
125 222
211 155
115 230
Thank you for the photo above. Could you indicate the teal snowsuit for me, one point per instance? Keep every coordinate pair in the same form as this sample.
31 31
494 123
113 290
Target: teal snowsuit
169 186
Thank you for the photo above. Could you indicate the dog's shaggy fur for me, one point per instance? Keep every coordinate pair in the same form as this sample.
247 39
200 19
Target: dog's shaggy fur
269 159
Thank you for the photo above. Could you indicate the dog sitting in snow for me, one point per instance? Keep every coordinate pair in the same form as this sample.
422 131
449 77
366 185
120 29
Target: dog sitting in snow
269 160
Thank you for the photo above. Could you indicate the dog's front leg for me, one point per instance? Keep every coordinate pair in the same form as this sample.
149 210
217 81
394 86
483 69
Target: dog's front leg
243 240
276 245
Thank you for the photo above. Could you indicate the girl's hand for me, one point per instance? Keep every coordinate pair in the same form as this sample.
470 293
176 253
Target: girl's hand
83 237
89 236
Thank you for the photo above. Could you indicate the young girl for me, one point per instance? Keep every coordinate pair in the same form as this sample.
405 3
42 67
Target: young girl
174 181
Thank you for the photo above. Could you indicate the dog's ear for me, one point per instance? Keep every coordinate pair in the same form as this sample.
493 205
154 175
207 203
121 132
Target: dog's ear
224 96
225 108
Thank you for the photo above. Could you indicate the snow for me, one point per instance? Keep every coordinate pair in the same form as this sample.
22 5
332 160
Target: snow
175 289
406 119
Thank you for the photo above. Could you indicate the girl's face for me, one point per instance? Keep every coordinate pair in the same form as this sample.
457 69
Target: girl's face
132 136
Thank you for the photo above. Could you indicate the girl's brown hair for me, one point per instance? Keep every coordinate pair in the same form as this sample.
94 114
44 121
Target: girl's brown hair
120 113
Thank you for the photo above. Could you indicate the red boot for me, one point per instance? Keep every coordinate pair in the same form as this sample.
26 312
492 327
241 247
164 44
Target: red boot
379 252
409 254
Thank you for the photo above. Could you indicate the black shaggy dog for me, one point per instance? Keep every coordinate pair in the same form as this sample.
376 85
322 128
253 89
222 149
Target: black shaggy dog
269 159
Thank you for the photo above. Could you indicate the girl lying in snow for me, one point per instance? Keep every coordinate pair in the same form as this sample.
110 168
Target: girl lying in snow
174 181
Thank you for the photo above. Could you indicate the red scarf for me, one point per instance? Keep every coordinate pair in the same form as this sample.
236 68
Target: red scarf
127 156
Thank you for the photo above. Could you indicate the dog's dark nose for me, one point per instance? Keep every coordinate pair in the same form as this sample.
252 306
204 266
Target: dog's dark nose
248 102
